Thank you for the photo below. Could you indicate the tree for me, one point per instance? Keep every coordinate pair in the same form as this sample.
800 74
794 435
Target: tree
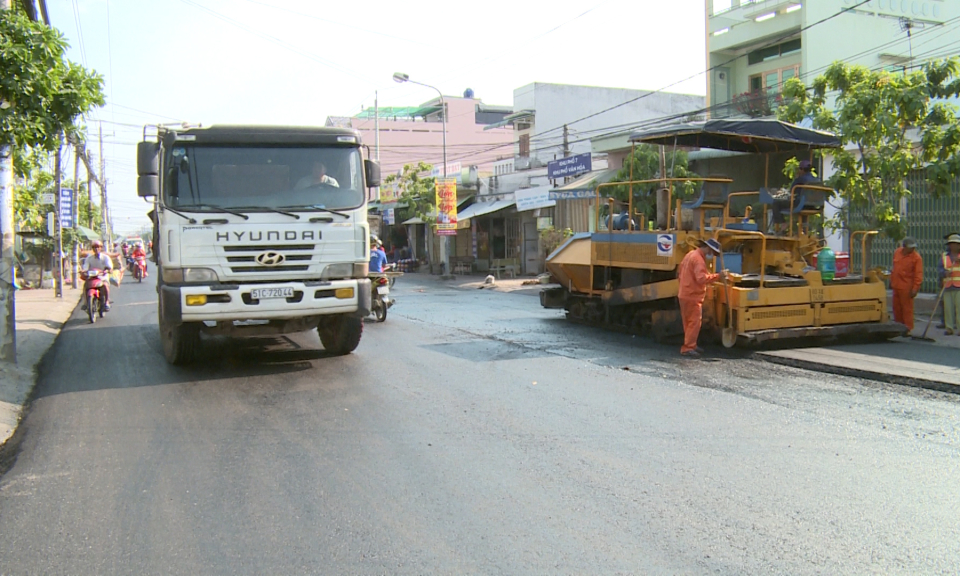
417 192
890 124
644 164
41 93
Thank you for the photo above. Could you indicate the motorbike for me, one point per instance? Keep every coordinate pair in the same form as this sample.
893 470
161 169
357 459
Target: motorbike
95 300
139 268
381 301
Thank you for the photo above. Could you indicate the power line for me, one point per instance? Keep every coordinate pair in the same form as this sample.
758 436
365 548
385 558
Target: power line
341 24
273 39
730 61
76 18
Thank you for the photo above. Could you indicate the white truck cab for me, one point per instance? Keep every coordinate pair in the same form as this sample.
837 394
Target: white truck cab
258 230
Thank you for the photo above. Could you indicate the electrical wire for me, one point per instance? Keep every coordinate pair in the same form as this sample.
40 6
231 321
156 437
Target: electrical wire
76 18
279 42
339 24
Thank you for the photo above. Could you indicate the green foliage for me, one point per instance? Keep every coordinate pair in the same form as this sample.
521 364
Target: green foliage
417 192
551 238
31 215
644 164
895 122
41 93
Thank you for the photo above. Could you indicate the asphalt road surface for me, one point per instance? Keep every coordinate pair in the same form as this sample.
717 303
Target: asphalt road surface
473 432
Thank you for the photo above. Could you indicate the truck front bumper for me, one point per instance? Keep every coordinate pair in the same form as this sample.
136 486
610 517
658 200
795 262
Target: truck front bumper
230 302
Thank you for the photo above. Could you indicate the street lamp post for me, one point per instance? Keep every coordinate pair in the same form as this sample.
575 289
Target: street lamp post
400 77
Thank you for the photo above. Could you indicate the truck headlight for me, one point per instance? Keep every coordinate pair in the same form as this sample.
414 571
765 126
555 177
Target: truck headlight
177 275
333 271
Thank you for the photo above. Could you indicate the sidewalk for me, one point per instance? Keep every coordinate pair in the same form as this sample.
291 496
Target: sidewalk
528 285
934 365
40 316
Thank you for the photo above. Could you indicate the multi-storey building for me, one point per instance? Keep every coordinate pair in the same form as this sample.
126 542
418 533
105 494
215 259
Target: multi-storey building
754 46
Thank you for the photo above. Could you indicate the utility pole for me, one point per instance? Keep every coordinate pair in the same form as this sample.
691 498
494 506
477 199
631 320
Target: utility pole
58 259
89 195
103 197
376 127
566 148
8 317
75 258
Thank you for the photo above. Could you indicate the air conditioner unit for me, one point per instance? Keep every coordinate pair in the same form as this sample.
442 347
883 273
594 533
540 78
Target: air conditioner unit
521 163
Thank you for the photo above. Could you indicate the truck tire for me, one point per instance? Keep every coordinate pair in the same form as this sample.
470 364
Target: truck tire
179 341
340 334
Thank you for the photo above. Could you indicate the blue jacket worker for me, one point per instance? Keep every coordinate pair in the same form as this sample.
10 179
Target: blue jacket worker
378 257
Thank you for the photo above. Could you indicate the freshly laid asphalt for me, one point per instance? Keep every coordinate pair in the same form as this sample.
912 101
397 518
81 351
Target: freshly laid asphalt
473 432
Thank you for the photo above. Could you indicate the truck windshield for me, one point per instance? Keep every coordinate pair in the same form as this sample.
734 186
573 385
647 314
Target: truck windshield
209 177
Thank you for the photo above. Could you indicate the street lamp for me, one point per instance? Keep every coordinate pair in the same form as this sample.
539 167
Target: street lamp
400 78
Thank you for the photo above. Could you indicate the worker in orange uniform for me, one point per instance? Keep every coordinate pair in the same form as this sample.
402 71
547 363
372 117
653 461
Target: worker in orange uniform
694 278
905 281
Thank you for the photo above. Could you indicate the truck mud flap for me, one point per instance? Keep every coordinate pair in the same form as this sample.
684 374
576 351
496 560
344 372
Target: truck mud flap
364 297
170 305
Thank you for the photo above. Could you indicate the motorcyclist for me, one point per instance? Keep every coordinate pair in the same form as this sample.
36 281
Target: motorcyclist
378 257
139 252
99 260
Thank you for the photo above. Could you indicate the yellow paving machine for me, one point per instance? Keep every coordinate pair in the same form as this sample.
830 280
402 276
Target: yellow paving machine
624 275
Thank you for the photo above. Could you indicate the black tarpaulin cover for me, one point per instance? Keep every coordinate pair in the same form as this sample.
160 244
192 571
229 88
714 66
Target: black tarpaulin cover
741 135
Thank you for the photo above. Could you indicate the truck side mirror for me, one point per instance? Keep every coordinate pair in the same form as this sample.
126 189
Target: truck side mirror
148 159
371 171
148 185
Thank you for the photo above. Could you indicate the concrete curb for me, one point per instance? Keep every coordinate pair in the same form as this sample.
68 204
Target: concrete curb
859 372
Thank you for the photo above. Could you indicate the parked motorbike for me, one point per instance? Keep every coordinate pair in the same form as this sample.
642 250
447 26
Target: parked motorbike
139 268
95 298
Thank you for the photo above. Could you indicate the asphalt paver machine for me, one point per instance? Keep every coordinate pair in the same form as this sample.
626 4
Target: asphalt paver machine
624 275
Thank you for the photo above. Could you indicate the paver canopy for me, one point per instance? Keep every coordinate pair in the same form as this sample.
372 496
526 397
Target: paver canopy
754 136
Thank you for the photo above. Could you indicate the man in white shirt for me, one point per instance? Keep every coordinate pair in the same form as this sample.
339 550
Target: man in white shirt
99 260
318 177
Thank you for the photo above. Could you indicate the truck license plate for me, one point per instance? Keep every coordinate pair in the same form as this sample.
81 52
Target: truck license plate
264 293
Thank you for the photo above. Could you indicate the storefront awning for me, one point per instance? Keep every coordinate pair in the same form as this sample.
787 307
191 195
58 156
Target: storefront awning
88 234
481 208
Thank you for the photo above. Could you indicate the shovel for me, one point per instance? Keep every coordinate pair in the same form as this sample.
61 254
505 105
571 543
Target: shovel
729 335
930 321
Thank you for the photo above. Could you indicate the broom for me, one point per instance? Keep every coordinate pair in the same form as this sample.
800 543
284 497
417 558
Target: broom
930 321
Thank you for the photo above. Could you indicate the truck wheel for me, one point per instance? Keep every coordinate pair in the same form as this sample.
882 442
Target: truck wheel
340 334
180 341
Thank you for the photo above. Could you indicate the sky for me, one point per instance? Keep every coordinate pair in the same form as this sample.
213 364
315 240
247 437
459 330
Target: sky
295 62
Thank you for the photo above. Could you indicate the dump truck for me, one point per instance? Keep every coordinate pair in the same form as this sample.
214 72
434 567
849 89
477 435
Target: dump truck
258 230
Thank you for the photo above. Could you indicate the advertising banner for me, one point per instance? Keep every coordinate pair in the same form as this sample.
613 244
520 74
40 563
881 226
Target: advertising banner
532 198
389 193
453 171
389 216
447 207
572 166
579 194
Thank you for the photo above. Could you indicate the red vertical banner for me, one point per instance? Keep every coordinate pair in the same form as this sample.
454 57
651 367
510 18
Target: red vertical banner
446 207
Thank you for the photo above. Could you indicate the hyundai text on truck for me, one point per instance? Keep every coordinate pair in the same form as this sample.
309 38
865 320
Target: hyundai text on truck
258 230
